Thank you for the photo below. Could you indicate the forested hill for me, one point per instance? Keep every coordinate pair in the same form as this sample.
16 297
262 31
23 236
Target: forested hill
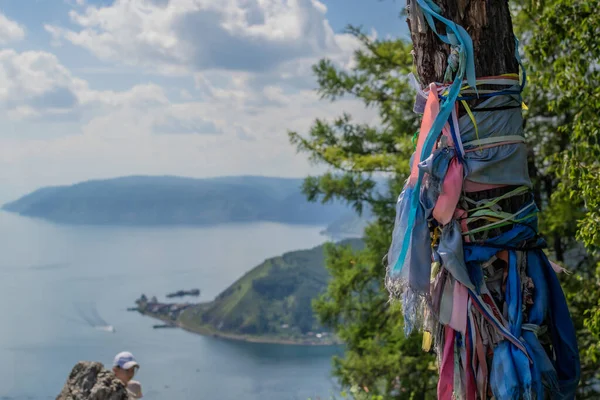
168 200
271 301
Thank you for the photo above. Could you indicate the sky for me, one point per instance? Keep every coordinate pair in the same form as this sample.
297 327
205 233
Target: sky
93 89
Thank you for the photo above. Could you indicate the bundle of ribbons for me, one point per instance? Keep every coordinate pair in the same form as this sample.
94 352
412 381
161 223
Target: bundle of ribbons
470 269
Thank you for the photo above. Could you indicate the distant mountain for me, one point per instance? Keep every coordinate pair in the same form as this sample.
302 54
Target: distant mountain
273 300
168 200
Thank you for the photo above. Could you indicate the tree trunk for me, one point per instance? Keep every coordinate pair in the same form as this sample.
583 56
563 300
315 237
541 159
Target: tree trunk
488 23
504 276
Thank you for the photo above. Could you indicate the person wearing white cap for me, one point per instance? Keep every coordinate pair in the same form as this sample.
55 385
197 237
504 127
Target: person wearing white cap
124 368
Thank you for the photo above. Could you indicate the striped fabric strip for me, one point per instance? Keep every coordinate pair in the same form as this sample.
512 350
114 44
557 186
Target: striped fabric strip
488 314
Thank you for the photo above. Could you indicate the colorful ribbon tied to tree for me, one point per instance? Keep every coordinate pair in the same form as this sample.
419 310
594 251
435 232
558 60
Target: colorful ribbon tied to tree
470 269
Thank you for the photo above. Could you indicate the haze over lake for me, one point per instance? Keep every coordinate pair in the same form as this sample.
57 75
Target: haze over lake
54 277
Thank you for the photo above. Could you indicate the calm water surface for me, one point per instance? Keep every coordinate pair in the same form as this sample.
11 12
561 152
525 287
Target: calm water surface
53 278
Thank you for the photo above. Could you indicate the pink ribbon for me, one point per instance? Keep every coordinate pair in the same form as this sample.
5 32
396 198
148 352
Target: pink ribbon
451 189
458 321
446 382
432 109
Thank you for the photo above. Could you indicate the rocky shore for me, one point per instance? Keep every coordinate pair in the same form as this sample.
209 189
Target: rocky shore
184 316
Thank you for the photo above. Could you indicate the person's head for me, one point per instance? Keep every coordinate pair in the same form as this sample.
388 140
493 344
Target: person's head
125 366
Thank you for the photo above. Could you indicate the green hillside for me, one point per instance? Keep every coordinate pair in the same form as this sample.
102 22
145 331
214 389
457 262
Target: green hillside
273 300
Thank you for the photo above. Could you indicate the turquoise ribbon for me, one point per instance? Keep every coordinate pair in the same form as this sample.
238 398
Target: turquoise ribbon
457 36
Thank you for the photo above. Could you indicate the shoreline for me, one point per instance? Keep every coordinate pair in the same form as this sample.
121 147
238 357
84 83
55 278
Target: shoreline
208 331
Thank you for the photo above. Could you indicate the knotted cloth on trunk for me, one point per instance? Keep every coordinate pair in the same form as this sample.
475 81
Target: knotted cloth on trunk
470 271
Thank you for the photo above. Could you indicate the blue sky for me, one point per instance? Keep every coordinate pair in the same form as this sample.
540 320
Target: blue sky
100 88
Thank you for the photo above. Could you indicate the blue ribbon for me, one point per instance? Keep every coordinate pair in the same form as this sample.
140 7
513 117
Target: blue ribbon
459 37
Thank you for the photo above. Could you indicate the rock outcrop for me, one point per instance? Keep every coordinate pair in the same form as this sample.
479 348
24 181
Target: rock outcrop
91 381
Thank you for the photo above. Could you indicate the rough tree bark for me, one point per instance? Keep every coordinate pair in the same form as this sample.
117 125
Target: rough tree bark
489 24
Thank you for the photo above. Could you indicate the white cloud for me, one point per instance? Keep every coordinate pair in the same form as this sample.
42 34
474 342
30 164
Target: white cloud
34 84
250 81
124 141
143 96
10 30
177 36
173 123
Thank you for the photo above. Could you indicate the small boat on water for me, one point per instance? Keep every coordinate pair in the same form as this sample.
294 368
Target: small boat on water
106 328
181 293
164 326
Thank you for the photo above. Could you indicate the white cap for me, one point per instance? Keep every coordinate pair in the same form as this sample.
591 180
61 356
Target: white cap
125 360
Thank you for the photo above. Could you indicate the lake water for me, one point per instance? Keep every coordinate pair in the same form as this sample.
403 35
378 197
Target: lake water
53 277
